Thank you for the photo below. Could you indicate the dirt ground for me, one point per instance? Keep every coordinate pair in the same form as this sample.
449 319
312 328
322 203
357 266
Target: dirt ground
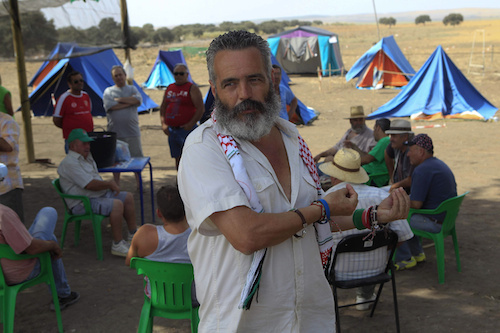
111 293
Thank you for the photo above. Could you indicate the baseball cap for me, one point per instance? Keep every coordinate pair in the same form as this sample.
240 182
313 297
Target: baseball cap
80 134
423 141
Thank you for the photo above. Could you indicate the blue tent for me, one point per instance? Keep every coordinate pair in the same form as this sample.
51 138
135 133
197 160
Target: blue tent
307 114
304 49
438 89
161 75
95 65
383 65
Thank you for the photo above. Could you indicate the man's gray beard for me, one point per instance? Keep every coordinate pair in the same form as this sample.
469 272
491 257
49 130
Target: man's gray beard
358 129
252 126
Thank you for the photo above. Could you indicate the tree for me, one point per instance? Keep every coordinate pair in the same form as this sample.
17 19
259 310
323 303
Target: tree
422 19
39 35
317 22
390 21
453 19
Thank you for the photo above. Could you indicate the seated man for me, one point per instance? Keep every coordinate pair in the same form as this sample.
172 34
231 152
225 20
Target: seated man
167 242
432 183
359 134
38 239
79 176
288 100
374 161
347 170
396 159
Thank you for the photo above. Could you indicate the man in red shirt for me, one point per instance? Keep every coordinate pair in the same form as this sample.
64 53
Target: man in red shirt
73 108
180 110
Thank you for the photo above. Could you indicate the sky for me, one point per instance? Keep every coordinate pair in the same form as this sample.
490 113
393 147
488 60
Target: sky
169 13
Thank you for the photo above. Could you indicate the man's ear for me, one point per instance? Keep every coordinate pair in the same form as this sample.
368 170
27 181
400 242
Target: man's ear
212 87
158 213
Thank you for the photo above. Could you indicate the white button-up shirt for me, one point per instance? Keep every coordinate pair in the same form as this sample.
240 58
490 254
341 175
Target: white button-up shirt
294 295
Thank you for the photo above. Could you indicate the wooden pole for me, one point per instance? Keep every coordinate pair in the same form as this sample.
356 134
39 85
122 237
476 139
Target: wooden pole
126 35
21 76
376 19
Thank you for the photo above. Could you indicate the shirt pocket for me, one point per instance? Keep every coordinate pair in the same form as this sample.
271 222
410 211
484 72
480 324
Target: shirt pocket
261 184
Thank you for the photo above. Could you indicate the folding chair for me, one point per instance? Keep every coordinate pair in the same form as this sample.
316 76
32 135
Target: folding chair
170 292
451 207
357 245
8 293
69 217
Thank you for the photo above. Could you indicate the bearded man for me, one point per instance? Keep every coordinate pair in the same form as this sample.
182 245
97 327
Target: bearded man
359 134
251 194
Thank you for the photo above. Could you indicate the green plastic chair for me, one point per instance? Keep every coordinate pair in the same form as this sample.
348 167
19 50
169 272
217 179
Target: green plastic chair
170 292
8 293
451 208
96 219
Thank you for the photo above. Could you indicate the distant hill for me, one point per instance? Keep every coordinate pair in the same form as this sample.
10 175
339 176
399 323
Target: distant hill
436 15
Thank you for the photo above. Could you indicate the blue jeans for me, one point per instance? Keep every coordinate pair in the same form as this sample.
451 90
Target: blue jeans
412 247
43 228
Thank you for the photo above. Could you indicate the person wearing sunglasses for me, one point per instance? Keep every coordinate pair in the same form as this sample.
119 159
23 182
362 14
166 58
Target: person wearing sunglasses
73 108
181 109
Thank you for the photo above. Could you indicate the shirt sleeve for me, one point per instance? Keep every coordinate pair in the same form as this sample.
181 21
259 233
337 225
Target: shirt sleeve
15 233
219 192
108 100
10 132
420 184
136 94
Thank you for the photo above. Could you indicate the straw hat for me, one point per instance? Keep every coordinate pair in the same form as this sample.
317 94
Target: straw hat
346 166
399 126
357 112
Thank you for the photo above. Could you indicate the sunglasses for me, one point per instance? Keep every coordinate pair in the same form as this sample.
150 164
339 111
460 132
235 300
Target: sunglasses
77 81
179 73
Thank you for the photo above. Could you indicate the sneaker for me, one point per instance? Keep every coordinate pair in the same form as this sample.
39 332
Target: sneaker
64 302
120 248
366 306
406 264
420 257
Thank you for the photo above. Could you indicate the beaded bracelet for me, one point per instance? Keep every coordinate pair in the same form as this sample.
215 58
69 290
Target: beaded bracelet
322 207
304 223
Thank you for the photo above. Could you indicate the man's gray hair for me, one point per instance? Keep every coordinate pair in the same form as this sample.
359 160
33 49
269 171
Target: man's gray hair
235 41
118 67
181 64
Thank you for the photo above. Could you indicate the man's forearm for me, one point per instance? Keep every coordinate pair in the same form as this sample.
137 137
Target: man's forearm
5 146
98 185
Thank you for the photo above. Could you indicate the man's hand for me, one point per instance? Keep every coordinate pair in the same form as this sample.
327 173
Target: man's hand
188 126
342 202
317 158
351 145
114 187
55 251
395 207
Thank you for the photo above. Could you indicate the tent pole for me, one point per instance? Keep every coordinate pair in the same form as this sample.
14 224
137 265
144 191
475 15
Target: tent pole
21 76
376 19
126 34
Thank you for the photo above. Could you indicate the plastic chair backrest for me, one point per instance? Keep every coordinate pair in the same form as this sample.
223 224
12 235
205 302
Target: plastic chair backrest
357 243
170 285
8 293
450 206
84 199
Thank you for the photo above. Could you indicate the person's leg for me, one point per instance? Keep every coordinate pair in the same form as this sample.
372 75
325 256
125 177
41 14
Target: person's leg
43 228
424 223
115 219
135 148
129 213
116 178
175 147
365 292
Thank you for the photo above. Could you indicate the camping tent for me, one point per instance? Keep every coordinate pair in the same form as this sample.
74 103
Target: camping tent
307 114
304 49
382 66
93 62
438 90
161 75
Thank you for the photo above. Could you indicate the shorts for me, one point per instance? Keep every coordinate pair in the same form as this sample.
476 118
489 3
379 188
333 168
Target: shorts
134 145
176 140
102 205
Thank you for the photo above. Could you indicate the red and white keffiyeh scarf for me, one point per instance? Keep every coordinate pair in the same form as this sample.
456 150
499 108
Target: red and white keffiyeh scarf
323 232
